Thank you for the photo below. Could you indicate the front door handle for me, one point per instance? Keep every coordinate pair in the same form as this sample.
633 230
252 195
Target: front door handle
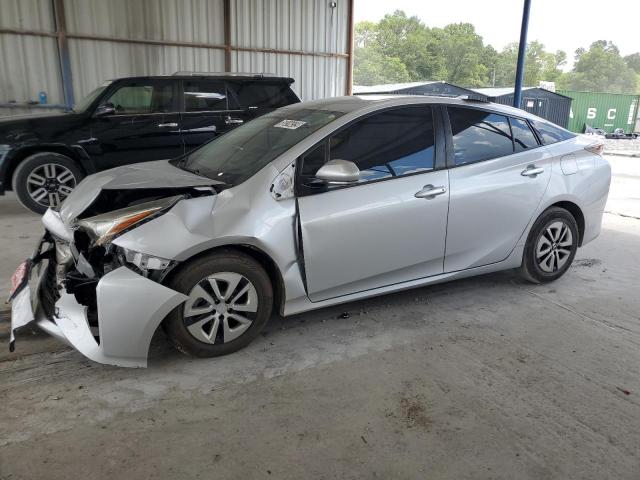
233 121
532 171
429 192
168 125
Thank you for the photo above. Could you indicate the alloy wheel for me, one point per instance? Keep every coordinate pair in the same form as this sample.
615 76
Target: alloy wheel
220 307
49 184
554 247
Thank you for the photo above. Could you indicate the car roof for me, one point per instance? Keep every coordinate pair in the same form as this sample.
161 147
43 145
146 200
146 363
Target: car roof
361 102
238 77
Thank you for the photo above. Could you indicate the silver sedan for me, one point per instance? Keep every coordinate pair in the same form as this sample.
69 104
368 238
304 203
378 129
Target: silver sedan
312 205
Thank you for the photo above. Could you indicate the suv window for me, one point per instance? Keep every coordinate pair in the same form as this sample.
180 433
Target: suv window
262 94
479 135
523 137
388 144
144 98
550 133
202 96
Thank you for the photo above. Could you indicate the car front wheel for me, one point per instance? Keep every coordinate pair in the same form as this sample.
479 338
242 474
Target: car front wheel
551 246
230 299
44 180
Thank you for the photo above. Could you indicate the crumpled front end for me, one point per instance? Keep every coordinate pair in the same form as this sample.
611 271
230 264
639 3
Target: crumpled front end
105 302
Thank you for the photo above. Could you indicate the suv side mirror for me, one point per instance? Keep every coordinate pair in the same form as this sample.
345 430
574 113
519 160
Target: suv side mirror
105 109
339 172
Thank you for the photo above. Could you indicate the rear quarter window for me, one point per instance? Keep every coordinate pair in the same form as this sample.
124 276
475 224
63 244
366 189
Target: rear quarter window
550 133
263 94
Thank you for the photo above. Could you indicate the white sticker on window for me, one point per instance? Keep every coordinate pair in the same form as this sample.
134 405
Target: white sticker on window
290 124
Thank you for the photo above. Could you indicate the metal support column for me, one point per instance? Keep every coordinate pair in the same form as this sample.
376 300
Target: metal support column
522 50
226 7
63 52
349 89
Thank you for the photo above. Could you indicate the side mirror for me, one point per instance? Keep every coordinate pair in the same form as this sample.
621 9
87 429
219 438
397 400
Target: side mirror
339 172
105 109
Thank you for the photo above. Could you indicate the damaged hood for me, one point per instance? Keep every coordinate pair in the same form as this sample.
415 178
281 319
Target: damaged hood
149 175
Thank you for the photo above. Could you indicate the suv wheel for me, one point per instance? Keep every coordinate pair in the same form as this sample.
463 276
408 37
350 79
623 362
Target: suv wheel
230 301
44 180
551 246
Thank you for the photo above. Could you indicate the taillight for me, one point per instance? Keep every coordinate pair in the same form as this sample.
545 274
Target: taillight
597 148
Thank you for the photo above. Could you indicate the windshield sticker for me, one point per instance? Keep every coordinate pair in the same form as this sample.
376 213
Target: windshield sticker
289 124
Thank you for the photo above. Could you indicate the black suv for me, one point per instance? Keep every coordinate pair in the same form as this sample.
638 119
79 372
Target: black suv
125 121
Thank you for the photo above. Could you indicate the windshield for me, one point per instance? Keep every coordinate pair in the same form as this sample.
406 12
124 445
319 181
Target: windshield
236 156
89 99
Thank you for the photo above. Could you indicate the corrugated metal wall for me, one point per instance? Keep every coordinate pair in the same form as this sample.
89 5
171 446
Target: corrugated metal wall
28 64
602 110
541 102
115 38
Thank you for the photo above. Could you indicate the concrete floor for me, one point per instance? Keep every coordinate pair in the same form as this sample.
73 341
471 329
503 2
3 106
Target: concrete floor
487 377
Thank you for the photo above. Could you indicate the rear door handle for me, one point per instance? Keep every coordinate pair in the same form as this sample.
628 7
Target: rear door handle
429 192
168 125
532 171
233 121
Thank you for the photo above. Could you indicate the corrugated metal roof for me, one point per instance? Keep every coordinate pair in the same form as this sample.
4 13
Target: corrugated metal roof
497 91
500 91
390 87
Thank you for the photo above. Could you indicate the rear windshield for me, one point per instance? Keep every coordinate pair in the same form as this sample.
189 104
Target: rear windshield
238 155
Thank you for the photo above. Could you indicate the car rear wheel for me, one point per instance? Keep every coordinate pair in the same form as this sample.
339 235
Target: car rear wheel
230 301
44 180
551 246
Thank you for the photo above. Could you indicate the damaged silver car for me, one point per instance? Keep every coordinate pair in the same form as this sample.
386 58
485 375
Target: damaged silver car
312 205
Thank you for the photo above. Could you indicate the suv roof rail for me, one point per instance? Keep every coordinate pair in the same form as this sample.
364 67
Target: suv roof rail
226 74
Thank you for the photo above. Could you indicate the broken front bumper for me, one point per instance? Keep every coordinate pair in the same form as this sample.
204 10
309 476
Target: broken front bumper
130 308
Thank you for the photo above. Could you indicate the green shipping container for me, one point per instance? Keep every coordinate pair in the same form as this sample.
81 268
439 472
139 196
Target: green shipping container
602 110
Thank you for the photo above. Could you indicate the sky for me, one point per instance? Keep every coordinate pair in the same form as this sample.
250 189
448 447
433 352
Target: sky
558 24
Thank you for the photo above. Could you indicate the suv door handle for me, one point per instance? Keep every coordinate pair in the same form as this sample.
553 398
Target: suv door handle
168 125
532 171
233 121
429 192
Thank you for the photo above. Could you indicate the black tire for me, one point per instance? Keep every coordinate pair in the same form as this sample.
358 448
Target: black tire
33 164
192 274
532 268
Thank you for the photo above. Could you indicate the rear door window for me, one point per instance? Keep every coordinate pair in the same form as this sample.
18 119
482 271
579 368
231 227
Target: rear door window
523 137
479 135
550 133
204 96
262 94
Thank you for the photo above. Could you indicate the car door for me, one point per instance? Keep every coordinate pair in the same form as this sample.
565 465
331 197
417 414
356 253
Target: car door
143 124
205 112
376 232
498 175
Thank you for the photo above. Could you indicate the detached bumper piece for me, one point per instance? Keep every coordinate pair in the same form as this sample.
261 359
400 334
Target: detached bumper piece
130 308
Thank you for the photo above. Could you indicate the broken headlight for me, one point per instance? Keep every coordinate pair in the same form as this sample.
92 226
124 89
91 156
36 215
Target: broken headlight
105 227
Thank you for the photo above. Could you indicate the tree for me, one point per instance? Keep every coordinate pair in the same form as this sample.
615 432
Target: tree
601 69
372 65
633 62
539 65
464 55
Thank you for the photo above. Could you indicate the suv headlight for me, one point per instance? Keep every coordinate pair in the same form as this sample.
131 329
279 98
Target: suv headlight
106 226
